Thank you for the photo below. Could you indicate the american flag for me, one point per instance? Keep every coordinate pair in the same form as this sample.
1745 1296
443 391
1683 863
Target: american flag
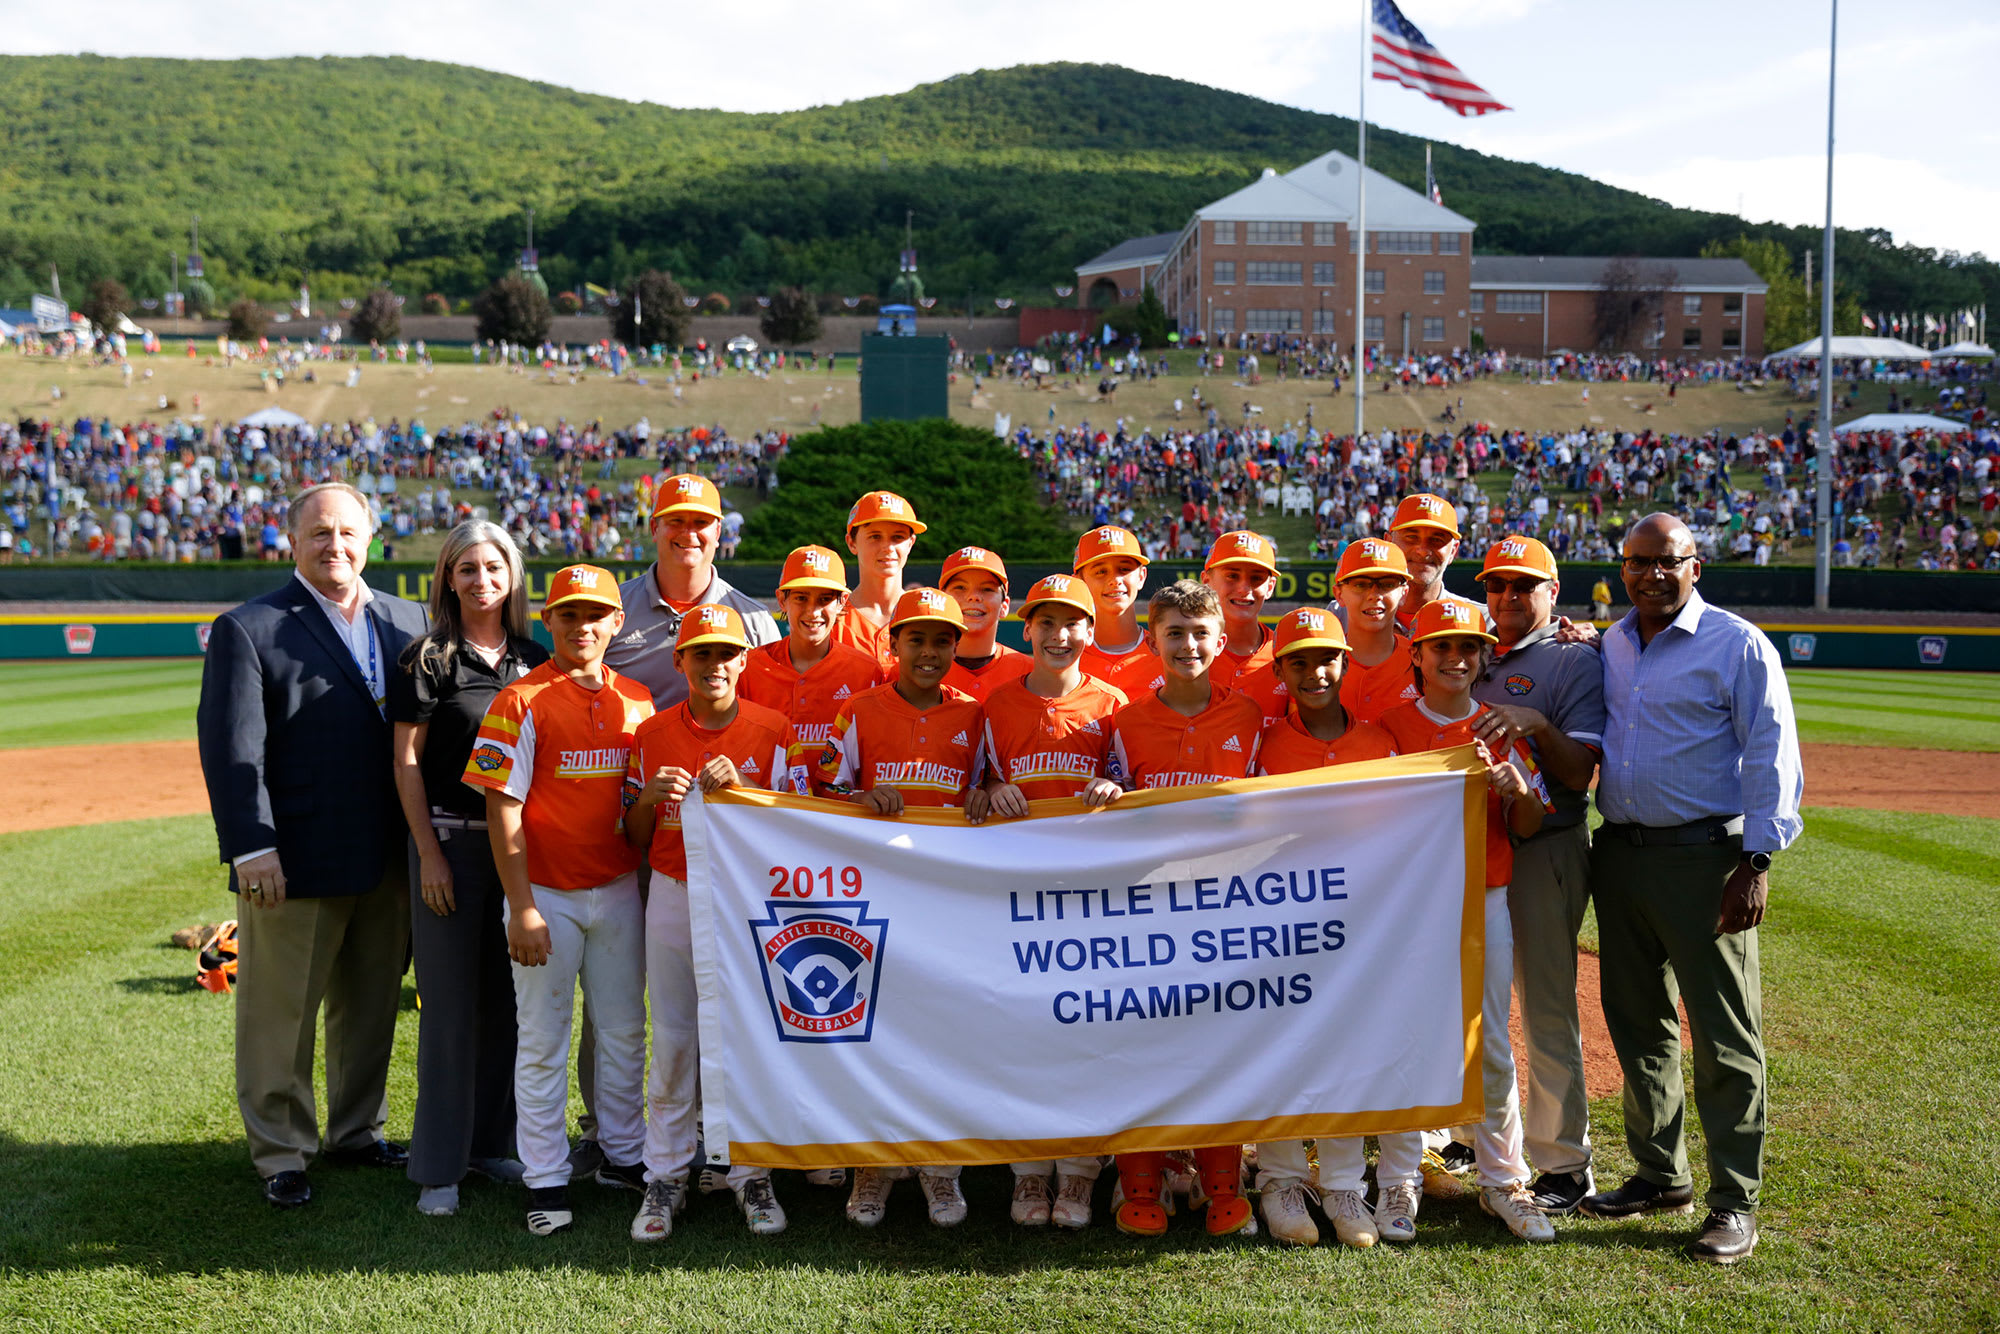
1403 55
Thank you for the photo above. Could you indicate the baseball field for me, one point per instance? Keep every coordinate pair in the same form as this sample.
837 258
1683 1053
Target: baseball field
127 1201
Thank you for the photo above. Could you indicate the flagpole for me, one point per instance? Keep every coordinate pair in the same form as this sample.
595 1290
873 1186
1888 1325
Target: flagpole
1823 500
1361 225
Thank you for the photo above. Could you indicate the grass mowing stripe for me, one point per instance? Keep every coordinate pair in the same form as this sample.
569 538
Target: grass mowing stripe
97 686
174 723
1850 705
1849 830
1812 730
1889 677
1893 699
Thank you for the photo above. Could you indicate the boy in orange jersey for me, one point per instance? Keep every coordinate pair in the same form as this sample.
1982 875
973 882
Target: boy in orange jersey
1368 586
1111 564
551 756
1311 654
882 530
913 742
1425 528
1189 731
1048 734
976 579
1450 646
1242 568
718 740
806 675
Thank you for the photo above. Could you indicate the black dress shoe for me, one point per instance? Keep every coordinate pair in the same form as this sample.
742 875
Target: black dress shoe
287 1190
1725 1238
1639 1196
381 1153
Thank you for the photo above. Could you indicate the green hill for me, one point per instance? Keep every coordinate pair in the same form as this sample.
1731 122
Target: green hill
364 169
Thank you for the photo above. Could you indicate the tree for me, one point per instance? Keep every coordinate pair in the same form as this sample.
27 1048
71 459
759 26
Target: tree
650 312
1789 317
108 300
792 319
378 319
1629 302
246 320
512 310
1152 319
435 303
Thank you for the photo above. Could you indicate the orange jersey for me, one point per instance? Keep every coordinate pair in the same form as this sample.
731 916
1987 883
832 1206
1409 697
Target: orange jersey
857 632
1252 675
1051 747
561 749
1006 664
1415 728
1369 692
1287 748
1137 672
810 699
881 740
1153 745
756 742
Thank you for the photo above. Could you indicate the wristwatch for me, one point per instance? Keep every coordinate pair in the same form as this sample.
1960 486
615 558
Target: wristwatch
1760 862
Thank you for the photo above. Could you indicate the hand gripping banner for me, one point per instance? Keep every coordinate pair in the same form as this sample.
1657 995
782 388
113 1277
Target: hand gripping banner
1272 958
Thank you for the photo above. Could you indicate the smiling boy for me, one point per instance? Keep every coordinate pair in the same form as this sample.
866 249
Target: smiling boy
1242 568
1112 565
882 530
976 579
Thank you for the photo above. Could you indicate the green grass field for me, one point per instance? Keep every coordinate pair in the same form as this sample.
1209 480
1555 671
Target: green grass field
129 1202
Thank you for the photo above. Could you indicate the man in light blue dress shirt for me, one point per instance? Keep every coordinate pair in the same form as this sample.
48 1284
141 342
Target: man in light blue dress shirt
1699 788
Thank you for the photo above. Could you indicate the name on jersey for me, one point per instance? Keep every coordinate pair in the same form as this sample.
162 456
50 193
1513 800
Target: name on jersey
1056 764
1183 778
607 761
919 774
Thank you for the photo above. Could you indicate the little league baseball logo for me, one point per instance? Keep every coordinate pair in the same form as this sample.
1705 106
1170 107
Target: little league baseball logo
821 965
1518 684
488 757
1930 649
1802 647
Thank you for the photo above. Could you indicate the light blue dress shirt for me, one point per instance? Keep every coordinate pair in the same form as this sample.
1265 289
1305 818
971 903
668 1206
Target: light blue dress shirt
1699 725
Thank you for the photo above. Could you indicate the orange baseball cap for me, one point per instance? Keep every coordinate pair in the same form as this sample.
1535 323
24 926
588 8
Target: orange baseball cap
1450 616
1307 627
1243 548
583 583
973 558
1425 511
1064 588
1371 555
1103 543
813 567
1515 554
883 507
686 493
926 604
712 623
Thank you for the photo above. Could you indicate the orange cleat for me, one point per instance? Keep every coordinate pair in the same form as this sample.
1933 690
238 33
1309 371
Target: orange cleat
1222 1181
1140 1213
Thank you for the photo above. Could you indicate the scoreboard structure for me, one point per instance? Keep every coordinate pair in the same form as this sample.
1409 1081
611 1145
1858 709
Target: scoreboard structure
903 378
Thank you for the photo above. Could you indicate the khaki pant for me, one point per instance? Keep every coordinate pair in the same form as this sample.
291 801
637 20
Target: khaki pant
1546 902
349 954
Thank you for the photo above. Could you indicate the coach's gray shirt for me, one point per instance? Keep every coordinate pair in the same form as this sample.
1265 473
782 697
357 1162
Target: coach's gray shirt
644 649
1565 684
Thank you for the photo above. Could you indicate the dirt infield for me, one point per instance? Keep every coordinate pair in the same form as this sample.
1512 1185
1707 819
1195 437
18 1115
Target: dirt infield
72 785
1883 778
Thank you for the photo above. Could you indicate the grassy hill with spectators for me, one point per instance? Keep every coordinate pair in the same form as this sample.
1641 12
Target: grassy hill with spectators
359 170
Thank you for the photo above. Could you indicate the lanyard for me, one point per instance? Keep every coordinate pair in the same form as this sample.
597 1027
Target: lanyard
372 668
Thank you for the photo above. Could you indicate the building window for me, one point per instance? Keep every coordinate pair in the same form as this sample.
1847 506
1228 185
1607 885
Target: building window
1478 333
1732 340
1323 322
1323 273
1274 273
1517 303
1225 272
1691 305
1371 329
1402 243
1433 328
1732 304
1433 282
1225 233
1225 319
1272 321
1691 336
1274 233
1326 233
1448 243
1479 303
1373 281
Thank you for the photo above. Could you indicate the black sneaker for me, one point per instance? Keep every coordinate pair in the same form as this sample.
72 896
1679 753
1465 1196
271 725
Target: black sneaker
625 1176
1639 1196
548 1210
287 1190
1558 1193
1458 1157
585 1158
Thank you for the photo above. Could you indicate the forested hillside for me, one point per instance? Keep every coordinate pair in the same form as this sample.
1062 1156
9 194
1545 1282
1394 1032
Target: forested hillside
354 171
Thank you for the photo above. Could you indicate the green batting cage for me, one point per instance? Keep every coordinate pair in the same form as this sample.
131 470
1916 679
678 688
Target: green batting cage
903 377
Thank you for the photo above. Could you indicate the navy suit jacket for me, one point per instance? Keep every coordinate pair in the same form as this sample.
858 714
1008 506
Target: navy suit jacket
295 754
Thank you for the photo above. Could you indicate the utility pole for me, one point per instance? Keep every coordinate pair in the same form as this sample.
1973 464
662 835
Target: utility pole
1828 451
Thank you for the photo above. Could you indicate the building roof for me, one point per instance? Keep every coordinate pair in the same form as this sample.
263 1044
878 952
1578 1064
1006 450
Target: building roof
1392 206
1129 254
1586 272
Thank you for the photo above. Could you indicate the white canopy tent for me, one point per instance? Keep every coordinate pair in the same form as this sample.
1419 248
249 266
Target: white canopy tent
1854 347
1902 423
272 417
1968 348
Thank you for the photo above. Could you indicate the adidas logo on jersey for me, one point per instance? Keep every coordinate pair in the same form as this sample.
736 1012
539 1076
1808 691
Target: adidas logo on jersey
1232 744
842 693
636 637
960 740
1091 728
747 767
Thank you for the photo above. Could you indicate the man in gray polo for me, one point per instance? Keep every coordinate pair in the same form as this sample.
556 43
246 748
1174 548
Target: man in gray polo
1548 689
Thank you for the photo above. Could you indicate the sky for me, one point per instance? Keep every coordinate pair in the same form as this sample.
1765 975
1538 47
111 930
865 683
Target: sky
1716 104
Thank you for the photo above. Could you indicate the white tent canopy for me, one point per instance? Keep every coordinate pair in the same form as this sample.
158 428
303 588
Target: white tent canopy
1854 346
270 417
1968 348
1902 423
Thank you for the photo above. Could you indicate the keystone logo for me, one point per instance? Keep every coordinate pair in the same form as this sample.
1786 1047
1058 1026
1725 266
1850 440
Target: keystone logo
1802 647
822 966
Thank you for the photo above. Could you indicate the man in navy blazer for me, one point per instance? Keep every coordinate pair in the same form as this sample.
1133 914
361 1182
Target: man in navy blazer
295 752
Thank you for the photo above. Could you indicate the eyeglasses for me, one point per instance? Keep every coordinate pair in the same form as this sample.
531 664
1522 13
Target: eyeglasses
1638 565
1523 587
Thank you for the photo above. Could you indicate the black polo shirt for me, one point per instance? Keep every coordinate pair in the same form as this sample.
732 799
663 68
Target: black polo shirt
453 704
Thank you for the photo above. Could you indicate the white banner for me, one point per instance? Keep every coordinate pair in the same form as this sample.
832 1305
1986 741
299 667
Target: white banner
1271 958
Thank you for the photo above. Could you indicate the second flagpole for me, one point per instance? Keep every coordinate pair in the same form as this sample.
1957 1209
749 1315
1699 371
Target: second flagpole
1361 226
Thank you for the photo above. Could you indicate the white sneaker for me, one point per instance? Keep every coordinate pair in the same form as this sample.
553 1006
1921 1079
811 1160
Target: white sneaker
869 1198
655 1218
1352 1222
947 1203
438 1201
760 1206
1072 1206
827 1176
1514 1206
1031 1201
1396 1212
1284 1207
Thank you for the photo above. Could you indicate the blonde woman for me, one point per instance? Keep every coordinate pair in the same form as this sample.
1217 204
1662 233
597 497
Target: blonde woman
478 644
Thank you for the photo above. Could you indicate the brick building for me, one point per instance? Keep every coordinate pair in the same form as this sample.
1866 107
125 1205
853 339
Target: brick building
1536 304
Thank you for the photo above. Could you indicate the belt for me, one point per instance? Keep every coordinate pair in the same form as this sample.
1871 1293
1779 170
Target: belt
1715 829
